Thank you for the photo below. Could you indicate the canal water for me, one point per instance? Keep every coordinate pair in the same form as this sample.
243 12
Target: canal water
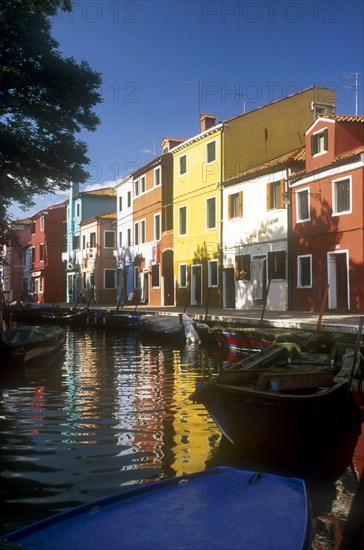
114 411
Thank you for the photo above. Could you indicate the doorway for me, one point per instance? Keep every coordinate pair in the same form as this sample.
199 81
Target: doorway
228 278
258 278
168 277
196 285
338 279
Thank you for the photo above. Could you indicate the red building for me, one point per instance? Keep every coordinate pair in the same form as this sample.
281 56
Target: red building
16 267
326 244
47 242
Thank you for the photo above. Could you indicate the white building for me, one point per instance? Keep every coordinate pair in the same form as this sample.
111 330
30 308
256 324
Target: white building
255 235
124 251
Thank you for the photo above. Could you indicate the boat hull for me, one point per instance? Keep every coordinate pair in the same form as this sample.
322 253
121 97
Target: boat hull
122 321
281 428
29 313
241 340
218 508
77 317
31 346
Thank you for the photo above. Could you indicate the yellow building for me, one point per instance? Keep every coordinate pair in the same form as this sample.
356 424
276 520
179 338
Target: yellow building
196 215
204 162
272 130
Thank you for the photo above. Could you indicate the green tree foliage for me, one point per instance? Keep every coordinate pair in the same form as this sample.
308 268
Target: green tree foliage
45 102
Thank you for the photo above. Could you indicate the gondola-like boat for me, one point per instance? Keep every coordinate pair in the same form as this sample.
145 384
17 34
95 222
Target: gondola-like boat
29 312
74 316
217 508
29 346
278 405
122 320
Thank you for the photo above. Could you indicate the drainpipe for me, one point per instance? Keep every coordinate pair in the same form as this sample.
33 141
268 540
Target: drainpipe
221 185
289 243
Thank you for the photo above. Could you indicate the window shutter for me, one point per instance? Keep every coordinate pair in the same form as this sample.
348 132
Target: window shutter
313 142
268 196
241 204
282 193
229 206
326 136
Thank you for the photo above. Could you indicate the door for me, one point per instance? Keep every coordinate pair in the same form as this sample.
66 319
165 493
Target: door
196 285
258 278
338 279
228 277
168 277
145 288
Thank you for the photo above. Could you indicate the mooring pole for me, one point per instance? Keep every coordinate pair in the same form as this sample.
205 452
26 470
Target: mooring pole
323 303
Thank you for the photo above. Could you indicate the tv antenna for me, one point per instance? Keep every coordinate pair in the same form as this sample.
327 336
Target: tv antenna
351 85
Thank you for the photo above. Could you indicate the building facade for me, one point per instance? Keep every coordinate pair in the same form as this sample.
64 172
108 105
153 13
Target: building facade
327 237
98 273
82 206
256 219
124 250
152 232
17 264
47 241
202 166
196 213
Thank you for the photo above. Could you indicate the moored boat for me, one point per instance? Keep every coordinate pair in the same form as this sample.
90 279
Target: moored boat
276 405
241 339
30 345
29 312
67 316
252 339
215 508
123 321
170 328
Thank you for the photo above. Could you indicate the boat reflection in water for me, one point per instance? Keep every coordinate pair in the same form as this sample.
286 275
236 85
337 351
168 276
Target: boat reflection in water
115 412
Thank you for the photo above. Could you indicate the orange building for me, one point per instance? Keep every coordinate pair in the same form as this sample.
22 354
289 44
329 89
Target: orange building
153 230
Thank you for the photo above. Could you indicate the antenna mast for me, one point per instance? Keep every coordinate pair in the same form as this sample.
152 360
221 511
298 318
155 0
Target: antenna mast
350 85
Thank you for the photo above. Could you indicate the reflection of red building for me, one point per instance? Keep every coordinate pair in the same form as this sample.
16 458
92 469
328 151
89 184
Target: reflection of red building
47 244
327 204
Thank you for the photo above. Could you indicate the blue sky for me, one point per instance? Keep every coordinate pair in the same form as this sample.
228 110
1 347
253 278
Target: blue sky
156 56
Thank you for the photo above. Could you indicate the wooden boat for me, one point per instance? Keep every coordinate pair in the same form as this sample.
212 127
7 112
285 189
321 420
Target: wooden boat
218 508
122 320
242 339
28 312
171 328
278 404
67 316
250 339
30 345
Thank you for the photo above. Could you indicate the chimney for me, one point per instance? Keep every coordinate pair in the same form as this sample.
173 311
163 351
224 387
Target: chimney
207 122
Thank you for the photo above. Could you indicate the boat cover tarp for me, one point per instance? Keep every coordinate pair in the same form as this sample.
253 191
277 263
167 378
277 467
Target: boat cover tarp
218 508
30 335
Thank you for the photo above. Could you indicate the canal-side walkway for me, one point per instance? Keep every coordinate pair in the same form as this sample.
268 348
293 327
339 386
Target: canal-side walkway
329 322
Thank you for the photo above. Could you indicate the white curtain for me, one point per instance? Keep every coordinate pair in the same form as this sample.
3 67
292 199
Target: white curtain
257 277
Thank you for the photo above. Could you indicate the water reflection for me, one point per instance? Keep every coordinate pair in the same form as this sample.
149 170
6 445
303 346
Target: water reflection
113 411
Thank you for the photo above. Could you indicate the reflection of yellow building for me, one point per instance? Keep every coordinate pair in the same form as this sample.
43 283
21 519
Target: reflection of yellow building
195 433
218 153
